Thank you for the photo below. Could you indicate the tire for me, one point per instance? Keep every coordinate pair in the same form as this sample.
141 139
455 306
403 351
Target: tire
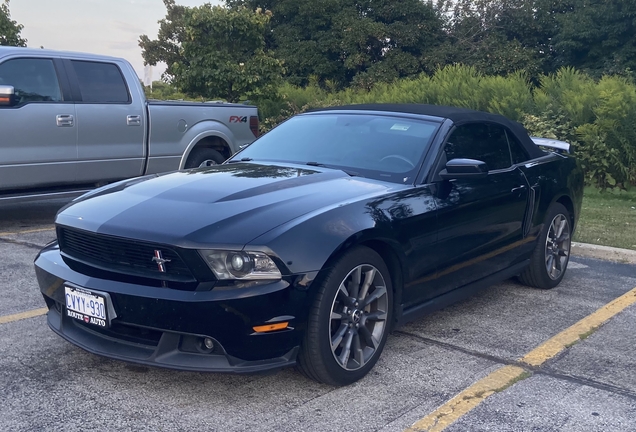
336 317
204 157
550 244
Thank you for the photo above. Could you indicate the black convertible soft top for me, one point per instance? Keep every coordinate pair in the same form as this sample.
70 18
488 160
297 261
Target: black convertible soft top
457 115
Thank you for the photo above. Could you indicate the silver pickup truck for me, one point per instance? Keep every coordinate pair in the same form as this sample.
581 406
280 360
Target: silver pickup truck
70 122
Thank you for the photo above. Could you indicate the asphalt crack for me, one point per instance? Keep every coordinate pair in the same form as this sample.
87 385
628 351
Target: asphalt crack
531 369
21 243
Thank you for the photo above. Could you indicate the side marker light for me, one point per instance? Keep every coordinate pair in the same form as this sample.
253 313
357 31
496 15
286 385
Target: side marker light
271 327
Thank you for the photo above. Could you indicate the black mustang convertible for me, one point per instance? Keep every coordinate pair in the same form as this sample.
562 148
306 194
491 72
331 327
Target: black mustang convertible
310 245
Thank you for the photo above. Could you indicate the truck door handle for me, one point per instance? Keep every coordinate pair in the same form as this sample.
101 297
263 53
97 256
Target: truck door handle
518 189
133 120
64 120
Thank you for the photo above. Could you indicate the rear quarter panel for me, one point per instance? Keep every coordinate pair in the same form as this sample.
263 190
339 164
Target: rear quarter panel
554 177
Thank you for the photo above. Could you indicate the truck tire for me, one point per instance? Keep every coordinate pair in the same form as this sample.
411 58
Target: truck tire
204 157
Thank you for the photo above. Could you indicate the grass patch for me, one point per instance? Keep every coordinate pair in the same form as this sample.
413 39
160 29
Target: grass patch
525 374
582 336
608 218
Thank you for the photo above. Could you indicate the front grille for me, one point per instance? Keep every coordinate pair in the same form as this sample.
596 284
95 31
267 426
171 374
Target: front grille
121 255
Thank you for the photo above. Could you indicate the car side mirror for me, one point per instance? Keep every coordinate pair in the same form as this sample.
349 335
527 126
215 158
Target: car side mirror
7 95
464 169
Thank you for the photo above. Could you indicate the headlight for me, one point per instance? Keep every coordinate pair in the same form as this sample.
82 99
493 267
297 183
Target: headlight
240 265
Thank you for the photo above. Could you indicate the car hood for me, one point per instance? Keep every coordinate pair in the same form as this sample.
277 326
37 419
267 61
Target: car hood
228 204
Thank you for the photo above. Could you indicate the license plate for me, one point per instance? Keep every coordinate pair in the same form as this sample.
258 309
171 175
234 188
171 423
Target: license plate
85 306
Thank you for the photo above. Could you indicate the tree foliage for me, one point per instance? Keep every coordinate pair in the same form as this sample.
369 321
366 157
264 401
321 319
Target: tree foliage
502 36
214 52
597 36
9 29
340 42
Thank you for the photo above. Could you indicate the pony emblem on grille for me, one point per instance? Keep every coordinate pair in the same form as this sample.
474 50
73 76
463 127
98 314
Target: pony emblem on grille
161 262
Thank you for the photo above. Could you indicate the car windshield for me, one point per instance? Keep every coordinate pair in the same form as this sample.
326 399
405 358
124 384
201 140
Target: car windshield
376 146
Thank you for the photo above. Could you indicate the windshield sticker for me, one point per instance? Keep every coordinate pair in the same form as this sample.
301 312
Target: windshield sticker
400 127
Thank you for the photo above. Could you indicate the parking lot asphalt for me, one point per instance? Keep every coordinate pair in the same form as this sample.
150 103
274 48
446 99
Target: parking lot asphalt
48 384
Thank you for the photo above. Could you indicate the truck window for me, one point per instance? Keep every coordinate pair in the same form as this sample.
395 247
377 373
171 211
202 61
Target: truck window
100 82
34 80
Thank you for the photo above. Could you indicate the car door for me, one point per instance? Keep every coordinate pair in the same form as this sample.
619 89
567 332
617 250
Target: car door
38 145
110 125
480 221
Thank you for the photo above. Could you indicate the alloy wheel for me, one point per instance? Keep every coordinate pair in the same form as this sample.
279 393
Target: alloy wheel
358 317
557 246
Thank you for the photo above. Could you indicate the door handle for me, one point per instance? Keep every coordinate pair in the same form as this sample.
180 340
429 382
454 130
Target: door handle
64 120
518 189
133 120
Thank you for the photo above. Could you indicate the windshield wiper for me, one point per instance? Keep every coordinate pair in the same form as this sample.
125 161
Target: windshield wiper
318 164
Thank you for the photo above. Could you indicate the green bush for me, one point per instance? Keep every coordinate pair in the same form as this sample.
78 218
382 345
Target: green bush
596 117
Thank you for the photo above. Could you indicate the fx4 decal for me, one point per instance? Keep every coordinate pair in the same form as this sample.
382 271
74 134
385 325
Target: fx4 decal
238 119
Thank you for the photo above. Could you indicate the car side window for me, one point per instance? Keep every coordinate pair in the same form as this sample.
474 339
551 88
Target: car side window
34 80
100 82
480 141
517 151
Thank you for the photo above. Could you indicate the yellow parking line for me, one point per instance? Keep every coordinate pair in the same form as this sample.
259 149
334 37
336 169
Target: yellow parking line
506 376
464 402
578 331
22 315
27 231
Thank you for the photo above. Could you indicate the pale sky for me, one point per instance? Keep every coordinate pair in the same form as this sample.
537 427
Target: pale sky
109 27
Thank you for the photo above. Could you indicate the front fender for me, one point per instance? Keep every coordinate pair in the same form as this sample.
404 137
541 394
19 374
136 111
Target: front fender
306 244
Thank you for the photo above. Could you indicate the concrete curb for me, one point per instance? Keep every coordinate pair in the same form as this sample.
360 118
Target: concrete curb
607 253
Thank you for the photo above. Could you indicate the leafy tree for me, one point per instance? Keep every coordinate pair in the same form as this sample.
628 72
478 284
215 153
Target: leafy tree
214 52
167 47
340 42
597 36
9 29
502 36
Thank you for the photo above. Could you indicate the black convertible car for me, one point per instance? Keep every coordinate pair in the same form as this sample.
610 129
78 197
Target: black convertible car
307 247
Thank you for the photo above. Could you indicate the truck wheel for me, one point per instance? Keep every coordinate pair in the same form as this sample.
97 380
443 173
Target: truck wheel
349 321
552 253
204 157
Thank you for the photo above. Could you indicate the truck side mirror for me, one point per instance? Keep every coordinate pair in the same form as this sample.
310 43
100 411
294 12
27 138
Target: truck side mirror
7 95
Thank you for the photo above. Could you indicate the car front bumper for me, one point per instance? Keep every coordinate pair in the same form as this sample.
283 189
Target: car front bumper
166 327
